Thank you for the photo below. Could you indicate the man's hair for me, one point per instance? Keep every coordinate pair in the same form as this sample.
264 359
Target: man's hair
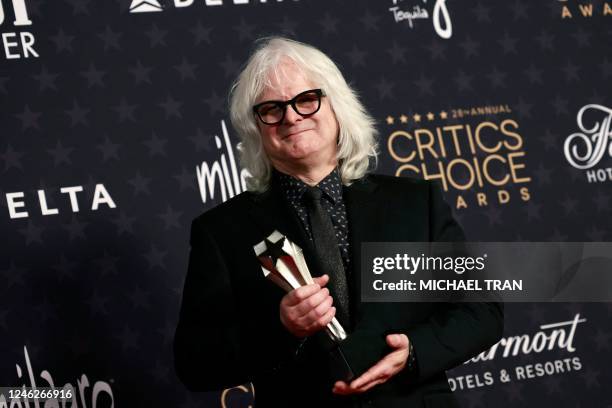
357 135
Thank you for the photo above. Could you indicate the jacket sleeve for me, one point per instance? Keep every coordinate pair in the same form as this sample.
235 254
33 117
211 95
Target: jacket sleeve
456 331
207 352
209 347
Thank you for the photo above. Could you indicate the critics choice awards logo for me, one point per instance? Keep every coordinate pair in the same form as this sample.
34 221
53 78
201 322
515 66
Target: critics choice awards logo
480 155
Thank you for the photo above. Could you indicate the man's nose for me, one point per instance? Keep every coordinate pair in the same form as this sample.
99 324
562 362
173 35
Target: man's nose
291 116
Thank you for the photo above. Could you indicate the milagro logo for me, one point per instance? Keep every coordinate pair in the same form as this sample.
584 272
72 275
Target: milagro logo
225 178
147 6
439 16
585 149
16 44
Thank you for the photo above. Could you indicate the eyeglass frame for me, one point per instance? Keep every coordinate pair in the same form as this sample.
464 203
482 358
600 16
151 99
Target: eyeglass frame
283 105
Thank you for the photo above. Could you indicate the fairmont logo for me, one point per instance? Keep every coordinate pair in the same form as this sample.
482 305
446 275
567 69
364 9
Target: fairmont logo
585 149
148 6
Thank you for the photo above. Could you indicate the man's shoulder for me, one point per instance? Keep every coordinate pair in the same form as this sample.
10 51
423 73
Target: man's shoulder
226 211
399 184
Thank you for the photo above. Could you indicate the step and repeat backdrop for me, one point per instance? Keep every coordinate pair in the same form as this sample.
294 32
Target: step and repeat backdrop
115 135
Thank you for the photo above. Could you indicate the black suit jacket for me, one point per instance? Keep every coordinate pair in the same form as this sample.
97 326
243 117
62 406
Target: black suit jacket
229 331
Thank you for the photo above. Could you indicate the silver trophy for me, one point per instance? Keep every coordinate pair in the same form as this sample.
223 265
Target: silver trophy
282 262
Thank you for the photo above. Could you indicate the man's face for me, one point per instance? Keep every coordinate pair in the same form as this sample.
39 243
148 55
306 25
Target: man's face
298 140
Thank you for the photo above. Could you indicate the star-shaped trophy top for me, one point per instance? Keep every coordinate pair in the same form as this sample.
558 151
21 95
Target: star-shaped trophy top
274 249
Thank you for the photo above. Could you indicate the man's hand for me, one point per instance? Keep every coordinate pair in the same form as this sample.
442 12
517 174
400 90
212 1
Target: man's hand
380 372
306 310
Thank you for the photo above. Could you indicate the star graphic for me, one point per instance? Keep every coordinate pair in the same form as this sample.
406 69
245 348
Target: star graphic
62 41
93 76
384 88
171 107
416 117
171 218
32 233
65 268
186 179
124 223
397 53
508 44
561 105
470 47
569 205
186 70
140 184
141 73
216 103
534 74
582 37
201 141
545 40
404 119
357 56
424 84
110 39
60 154
11 158
430 116
230 66
571 71
201 33
519 9
155 257
483 13
369 21
13 275
78 115
140 298
97 304
390 120
109 149
288 26
244 30
75 228
46 79
28 118
329 24
125 111
156 36
437 49
497 78
106 263
463 81
443 115
79 6
156 145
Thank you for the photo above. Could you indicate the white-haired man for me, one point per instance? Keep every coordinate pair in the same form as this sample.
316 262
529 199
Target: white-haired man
308 144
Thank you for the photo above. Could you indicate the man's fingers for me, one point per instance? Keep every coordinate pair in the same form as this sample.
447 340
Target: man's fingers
300 294
308 305
366 377
321 280
322 321
397 340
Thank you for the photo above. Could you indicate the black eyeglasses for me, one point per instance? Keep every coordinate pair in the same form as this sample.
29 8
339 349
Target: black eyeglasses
305 103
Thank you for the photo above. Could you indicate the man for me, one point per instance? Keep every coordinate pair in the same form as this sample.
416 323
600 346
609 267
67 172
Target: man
308 144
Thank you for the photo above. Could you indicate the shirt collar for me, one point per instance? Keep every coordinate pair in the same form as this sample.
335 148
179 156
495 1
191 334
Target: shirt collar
293 188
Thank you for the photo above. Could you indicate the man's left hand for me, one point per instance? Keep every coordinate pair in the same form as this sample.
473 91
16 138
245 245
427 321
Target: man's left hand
380 372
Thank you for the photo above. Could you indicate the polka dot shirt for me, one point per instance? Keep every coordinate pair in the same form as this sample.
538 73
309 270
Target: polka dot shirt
331 200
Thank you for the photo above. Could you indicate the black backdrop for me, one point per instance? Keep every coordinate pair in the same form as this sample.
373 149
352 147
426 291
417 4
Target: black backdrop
128 109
